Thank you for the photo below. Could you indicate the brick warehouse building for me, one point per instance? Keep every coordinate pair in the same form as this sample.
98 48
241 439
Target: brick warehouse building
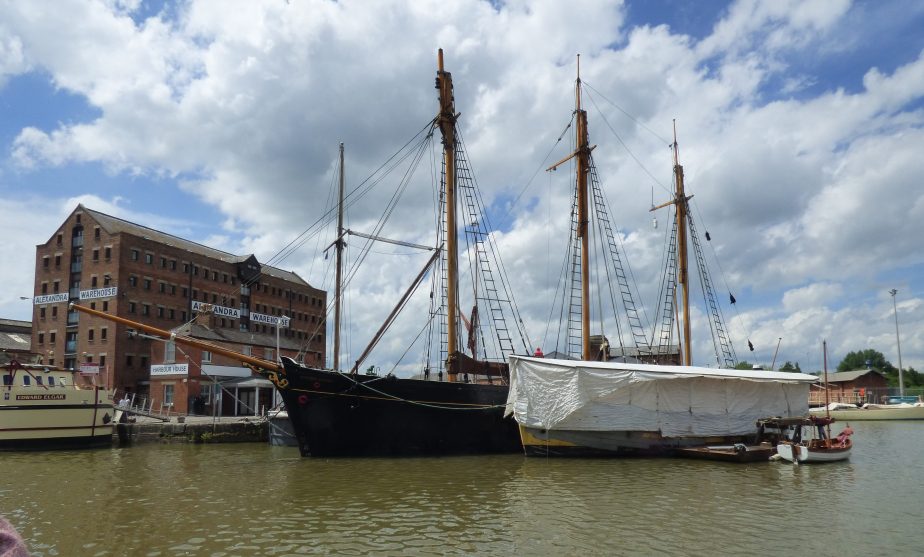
149 276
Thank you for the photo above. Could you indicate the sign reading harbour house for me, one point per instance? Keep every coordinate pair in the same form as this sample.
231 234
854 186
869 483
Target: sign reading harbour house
282 320
233 313
89 368
107 292
51 298
170 369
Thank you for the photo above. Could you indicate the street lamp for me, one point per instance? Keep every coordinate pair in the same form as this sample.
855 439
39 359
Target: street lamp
898 342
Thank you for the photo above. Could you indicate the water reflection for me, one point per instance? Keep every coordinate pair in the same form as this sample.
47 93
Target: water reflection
165 500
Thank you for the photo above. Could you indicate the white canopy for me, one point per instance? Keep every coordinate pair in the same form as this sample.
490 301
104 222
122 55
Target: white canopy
677 401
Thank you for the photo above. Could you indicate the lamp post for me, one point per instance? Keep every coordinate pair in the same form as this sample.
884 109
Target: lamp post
109 378
281 321
898 342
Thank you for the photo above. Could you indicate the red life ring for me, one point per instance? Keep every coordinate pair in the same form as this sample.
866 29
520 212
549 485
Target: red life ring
303 399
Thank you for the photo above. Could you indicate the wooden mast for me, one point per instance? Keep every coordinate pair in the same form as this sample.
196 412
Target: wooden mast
188 341
447 124
337 291
680 200
583 167
581 155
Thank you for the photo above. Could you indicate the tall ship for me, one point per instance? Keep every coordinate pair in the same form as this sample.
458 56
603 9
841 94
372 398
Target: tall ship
45 407
588 403
455 404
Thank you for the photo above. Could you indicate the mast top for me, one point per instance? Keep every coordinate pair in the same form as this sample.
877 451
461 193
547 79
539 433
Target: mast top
440 59
675 145
577 86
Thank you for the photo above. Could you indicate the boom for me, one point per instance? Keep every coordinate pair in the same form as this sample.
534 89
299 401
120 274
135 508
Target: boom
184 340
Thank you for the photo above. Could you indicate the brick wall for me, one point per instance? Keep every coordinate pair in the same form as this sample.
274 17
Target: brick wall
156 281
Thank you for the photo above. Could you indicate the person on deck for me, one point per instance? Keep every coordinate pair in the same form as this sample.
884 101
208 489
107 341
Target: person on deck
820 423
539 353
604 354
844 435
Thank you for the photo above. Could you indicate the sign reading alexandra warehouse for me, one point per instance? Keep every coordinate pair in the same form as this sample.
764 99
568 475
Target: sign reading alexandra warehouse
282 321
107 292
233 313
51 298
170 369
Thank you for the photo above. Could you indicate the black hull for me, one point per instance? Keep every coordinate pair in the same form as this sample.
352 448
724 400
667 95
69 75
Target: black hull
337 415
58 443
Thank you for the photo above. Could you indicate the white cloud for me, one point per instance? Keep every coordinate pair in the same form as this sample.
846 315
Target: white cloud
771 26
813 295
12 61
808 200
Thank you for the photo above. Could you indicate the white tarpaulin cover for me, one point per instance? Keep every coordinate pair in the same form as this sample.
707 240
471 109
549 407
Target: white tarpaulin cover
677 401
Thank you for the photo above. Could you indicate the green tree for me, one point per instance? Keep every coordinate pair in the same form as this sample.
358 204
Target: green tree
789 366
862 359
913 377
875 360
744 364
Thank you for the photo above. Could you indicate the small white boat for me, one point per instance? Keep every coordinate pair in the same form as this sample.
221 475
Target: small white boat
811 445
44 408
809 439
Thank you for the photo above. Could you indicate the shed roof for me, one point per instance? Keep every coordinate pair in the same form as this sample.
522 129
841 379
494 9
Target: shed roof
15 342
15 326
202 332
846 376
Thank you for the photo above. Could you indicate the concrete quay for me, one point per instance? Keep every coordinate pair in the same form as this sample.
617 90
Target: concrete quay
193 429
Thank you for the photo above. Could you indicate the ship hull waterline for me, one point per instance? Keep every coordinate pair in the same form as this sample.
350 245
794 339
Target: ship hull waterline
340 415
567 443
65 425
795 452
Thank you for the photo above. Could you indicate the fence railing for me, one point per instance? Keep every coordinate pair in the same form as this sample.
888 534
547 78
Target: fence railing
860 396
143 405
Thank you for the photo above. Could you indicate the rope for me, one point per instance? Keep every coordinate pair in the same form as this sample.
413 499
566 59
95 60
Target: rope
626 147
352 197
202 373
715 257
498 260
538 169
411 345
387 396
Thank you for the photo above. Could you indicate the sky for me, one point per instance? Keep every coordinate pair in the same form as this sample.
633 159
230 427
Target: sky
799 126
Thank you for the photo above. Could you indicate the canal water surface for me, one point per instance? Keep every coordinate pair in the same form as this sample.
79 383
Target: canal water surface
251 499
